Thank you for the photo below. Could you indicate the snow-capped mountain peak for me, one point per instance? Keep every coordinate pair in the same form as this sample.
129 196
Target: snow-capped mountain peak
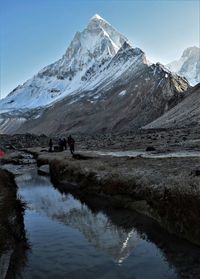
98 26
98 41
188 65
97 17
97 58
97 20
97 44
191 52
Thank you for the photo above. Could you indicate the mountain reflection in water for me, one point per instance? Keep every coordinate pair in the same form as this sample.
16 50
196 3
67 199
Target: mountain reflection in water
81 239
96 227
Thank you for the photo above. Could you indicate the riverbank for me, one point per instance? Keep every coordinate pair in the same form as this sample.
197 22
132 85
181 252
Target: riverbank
108 191
12 235
81 235
165 189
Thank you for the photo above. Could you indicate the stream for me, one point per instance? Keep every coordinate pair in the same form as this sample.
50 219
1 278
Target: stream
81 238
145 154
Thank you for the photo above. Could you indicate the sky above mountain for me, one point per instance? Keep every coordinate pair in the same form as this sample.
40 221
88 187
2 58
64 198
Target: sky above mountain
36 33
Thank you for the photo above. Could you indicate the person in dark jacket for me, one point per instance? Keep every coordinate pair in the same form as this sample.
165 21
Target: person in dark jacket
71 143
60 144
50 145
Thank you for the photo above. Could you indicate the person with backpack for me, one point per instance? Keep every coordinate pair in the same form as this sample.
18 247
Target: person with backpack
71 143
50 145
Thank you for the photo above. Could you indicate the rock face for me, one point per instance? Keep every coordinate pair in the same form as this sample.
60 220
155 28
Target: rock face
188 65
101 84
185 114
135 98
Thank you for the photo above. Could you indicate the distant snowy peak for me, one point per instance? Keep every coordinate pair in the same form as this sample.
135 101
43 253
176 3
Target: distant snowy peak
191 52
188 65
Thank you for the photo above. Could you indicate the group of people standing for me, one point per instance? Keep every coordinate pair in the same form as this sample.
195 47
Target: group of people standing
62 144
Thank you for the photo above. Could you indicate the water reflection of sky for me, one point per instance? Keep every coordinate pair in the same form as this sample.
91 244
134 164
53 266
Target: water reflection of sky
96 228
68 238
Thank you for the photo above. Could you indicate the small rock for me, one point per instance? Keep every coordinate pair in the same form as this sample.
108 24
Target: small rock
81 157
44 170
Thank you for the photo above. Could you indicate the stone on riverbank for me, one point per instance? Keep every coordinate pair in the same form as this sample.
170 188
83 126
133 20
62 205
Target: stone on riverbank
44 170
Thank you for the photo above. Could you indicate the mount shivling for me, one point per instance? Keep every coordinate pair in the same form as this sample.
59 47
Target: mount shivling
101 84
105 149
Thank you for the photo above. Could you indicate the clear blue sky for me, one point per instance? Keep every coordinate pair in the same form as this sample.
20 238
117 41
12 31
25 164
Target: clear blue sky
35 33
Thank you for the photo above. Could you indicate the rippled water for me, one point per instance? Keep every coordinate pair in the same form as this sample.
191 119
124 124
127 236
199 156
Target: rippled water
74 239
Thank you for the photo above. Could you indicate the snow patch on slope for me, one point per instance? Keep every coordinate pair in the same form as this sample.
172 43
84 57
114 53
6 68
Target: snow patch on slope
122 93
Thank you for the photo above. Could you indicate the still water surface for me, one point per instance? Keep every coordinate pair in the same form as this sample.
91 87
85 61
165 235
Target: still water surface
70 239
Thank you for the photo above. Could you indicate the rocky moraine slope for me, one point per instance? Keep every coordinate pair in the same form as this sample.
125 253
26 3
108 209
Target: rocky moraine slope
185 114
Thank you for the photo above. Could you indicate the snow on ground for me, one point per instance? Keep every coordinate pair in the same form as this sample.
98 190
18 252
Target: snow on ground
122 93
